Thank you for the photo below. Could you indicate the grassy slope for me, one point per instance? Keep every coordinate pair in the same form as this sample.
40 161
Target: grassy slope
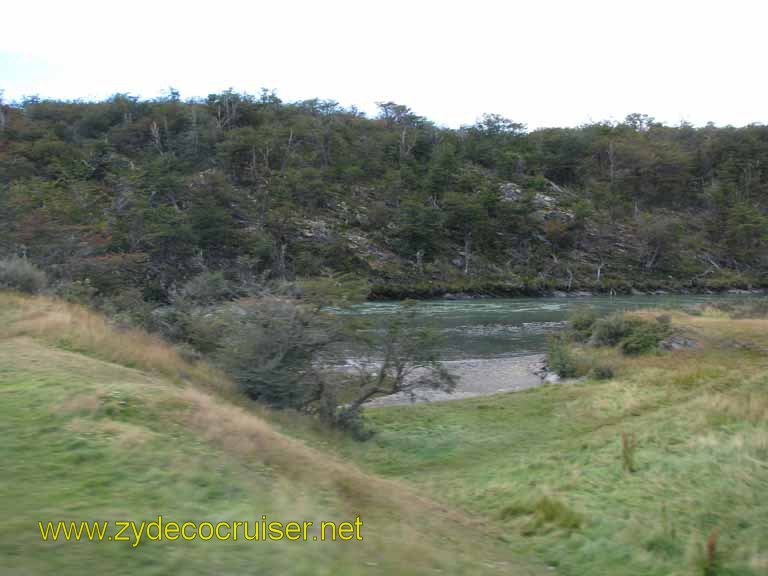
99 425
545 465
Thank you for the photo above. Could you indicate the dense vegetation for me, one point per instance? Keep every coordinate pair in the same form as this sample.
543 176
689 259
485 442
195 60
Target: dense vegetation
146 194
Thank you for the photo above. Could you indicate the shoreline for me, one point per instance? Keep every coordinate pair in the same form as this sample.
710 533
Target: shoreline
383 293
477 377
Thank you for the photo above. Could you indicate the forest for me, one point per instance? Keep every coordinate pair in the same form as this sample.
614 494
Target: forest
143 195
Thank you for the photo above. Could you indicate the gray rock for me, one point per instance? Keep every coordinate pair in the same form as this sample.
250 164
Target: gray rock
552 378
677 342
510 191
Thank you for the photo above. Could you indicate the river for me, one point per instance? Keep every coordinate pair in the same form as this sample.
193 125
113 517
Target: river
509 327
498 344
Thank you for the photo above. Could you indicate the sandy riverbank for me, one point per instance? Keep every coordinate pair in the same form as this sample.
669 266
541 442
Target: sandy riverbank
480 377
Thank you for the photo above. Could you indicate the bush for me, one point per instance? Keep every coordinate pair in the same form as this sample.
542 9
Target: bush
644 337
77 291
270 348
633 335
351 421
206 288
601 372
580 322
610 330
743 308
20 274
560 359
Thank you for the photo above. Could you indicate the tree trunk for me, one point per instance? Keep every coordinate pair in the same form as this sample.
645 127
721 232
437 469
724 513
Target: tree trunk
467 248
611 165
281 261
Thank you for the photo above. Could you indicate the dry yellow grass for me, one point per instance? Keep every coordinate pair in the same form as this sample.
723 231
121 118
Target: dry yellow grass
76 328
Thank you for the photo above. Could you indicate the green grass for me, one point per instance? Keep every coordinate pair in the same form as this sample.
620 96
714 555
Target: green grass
545 465
86 439
494 485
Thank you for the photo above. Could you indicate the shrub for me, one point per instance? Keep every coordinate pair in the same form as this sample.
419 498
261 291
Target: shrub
20 274
643 337
560 359
580 322
206 288
270 348
601 372
78 292
610 330
746 308
634 335
205 329
351 421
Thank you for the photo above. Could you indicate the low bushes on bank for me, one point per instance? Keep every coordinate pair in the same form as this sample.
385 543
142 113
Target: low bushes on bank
21 275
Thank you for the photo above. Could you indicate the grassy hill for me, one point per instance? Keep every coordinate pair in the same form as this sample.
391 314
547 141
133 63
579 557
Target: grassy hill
97 424
102 425
546 466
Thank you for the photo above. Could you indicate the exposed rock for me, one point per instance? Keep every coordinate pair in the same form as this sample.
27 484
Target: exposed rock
677 342
552 378
511 191
458 296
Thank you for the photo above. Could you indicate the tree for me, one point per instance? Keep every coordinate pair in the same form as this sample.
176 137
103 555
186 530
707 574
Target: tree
419 228
407 359
746 234
273 347
467 217
660 233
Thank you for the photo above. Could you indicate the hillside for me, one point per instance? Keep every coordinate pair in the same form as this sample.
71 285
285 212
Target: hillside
101 425
127 194
545 465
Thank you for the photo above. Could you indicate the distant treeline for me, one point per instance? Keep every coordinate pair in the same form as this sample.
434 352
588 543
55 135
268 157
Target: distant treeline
147 193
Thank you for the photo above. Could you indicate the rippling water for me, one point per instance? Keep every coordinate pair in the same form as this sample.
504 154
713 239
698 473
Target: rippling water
507 327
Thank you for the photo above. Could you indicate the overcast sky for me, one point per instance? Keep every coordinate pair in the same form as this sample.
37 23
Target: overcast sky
540 62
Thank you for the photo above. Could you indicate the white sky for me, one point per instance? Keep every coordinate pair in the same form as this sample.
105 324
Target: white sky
543 63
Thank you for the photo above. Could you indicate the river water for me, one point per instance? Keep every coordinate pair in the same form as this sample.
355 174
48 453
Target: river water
509 327
494 345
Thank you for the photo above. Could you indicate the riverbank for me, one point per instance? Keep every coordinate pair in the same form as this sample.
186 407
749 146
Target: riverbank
477 377
471 290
